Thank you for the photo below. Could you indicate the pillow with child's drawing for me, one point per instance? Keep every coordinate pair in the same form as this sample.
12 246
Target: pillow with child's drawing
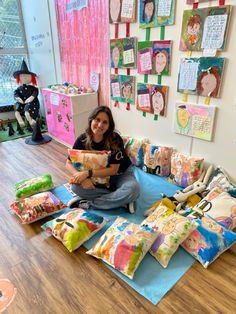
218 205
208 241
124 245
157 159
185 170
90 159
34 185
134 149
75 227
37 206
173 228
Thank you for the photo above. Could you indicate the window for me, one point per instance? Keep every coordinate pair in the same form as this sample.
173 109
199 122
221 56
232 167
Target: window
12 48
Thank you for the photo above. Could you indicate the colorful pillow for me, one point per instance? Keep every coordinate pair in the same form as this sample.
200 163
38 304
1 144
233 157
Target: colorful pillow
75 227
185 170
220 179
91 159
173 229
37 207
124 245
32 186
208 241
134 149
157 159
220 206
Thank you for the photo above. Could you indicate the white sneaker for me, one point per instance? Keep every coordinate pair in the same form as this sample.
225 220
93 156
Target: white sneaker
131 208
72 203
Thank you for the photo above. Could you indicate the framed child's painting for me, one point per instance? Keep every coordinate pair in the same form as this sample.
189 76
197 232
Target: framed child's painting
194 120
154 57
123 88
154 13
122 11
205 28
152 98
123 52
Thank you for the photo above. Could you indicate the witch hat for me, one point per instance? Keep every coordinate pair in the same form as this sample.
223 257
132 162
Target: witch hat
23 70
37 138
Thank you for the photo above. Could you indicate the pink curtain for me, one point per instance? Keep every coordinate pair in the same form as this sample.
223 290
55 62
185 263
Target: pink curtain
84 44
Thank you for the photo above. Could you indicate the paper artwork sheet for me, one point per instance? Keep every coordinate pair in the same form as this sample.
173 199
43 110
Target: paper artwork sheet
187 81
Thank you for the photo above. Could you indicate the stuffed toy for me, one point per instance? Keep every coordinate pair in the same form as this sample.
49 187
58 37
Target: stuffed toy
26 96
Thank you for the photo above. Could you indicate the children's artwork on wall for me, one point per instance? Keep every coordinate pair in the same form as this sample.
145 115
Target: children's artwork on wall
194 120
123 88
152 98
201 76
122 11
154 57
204 28
123 52
193 1
154 13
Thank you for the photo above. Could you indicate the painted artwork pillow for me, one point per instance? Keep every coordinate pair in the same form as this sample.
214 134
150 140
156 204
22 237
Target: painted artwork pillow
124 245
75 227
34 185
219 205
134 149
157 159
208 241
185 170
37 206
173 228
220 179
91 159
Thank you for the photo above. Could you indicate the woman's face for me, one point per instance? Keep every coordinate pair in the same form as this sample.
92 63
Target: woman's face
209 83
149 7
126 92
160 62
100 124
157 102
114 9
116 56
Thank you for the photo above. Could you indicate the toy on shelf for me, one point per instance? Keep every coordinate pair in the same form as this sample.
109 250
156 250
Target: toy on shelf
26 96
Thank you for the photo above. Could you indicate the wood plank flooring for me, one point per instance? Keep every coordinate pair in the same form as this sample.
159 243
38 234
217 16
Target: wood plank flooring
51 280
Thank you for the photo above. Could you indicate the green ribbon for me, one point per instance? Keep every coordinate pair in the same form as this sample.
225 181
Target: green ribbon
155 117
144 113
162 35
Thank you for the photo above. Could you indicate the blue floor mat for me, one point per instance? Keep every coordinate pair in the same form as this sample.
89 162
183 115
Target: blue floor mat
151 280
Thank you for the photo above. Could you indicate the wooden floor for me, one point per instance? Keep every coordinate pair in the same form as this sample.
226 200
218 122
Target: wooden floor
51 280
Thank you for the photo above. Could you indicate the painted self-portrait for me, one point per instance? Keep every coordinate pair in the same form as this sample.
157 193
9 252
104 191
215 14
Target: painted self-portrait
193 29
158 101
149 10
116 56
126 90
115 7
209 82
160 61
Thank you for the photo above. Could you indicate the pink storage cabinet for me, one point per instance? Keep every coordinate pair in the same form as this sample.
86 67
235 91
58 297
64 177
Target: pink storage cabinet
67 114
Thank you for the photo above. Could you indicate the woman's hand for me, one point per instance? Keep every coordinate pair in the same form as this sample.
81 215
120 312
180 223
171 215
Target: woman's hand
87 184
79 177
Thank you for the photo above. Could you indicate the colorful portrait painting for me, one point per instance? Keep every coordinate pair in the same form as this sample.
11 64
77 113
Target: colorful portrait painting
122 11
114 11
123 52
154 13
123 88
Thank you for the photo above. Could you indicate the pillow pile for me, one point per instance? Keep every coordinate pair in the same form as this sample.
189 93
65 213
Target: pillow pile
37 207
220 179
75 227
124 245
89 159
32 186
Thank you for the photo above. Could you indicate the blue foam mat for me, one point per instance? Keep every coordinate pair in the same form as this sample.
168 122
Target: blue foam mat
151 280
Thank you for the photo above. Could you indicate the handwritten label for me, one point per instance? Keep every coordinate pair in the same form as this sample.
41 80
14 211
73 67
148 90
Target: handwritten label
145 61
115 87
188 75
127 8
128 56
144 101
164 7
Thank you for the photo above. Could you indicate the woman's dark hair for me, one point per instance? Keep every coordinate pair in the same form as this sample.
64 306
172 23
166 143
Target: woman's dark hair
144 15
108 136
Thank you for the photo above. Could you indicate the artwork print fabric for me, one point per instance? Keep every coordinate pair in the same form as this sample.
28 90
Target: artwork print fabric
201 76
152 98
122 11
123 88
204 28
154 13
123 52
194 120
154 57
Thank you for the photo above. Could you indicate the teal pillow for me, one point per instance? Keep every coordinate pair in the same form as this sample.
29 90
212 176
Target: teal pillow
32 186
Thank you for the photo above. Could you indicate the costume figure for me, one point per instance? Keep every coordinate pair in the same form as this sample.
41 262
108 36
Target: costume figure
26 96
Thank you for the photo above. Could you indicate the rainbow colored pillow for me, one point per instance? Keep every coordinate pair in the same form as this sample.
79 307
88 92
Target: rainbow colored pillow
75 227
134 149
124 245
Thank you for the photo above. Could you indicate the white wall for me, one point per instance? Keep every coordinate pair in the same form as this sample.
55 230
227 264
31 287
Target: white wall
222 150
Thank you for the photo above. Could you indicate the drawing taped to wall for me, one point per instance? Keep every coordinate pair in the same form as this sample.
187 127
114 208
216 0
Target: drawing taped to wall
123 52
205 28
122 11
154 13
194 120
123 88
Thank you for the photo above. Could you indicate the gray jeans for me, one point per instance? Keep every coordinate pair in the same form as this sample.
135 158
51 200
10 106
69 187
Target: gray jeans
124 189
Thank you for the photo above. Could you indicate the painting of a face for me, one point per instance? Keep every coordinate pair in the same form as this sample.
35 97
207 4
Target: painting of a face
114 9
149 7
193 29
160 62
157 102
116 56
126 91
209 83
